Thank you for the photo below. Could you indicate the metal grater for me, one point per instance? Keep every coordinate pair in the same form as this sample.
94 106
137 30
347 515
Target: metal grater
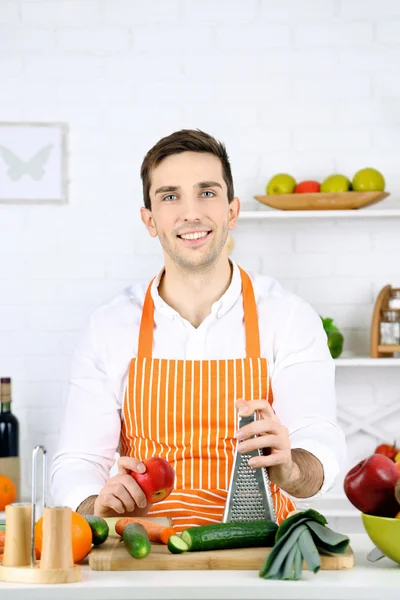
249 495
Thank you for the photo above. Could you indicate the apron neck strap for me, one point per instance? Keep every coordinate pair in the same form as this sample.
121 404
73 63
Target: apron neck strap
250 317
145 346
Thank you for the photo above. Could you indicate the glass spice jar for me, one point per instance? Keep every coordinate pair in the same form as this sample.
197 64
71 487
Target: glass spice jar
390 327
394 299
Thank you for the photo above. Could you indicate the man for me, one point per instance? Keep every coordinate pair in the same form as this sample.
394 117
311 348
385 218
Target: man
166 367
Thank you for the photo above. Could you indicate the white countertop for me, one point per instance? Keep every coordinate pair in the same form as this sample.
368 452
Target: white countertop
366 581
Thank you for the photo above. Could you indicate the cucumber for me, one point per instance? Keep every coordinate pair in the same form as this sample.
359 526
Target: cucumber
176 545
99 529
222 536
136 540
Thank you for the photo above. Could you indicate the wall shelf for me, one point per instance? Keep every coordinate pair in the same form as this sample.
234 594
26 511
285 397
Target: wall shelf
362 213
366 361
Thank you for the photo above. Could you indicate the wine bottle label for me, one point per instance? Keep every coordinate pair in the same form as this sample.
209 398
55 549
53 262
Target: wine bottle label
5 391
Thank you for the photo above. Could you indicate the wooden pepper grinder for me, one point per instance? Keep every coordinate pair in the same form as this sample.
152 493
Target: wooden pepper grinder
57 539
56 564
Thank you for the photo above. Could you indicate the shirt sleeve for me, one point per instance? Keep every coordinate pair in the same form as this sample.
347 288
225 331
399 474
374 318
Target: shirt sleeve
90 429
303 384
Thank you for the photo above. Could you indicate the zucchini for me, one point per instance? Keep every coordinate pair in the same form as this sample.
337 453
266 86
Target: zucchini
176 545
222 536
136 540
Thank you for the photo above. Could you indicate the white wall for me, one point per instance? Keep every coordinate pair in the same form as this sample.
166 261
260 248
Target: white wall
297 85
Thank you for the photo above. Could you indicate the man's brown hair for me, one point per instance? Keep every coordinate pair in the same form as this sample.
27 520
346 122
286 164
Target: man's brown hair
185 140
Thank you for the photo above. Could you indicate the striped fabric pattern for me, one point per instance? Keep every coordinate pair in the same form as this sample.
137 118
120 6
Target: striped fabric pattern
184 412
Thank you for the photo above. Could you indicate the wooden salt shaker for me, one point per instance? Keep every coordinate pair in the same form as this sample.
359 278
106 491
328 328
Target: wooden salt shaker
17 547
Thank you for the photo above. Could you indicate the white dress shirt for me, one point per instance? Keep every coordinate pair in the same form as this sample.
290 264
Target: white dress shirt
292 339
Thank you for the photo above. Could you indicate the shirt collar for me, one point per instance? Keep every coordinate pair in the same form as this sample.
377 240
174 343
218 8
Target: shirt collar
219 308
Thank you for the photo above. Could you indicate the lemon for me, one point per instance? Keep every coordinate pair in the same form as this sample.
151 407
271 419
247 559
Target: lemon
368 180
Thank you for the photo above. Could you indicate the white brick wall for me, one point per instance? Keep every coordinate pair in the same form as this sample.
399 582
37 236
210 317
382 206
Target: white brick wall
300 86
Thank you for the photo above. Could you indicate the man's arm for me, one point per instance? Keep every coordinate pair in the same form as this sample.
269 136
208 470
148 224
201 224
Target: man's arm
303 385
90 429
296 471
87 506
308 475
307 447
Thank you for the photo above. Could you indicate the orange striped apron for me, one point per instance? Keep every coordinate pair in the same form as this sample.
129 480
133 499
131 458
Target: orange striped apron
184 411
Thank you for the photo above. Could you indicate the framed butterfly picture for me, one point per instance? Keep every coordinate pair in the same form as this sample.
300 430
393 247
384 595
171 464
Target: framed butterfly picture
33 163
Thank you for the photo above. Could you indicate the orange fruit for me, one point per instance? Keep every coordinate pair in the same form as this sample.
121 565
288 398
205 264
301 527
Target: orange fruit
8 491
81 536
397 516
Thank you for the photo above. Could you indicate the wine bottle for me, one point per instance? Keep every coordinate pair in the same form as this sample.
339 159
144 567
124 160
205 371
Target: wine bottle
9 426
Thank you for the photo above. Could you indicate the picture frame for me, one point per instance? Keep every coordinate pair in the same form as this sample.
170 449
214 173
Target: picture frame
33 163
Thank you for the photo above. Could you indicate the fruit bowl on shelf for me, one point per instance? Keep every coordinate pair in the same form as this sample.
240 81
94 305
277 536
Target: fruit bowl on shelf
322 200
336 192
384 533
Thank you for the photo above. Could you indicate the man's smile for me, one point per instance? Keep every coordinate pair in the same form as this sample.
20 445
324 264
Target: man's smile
194 238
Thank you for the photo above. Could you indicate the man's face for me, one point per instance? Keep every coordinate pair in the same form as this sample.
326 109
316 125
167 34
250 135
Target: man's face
190 212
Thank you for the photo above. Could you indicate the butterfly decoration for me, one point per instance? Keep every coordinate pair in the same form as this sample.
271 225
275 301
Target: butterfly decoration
17 167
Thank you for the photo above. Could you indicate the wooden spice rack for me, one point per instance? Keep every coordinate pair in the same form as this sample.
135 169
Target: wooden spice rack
382 303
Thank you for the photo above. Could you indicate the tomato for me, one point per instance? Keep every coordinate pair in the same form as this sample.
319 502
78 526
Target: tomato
387 450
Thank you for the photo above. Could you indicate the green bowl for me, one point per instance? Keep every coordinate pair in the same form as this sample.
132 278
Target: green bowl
385 533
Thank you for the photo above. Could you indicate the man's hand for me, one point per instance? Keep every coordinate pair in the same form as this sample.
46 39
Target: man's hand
270 434
121 494
297 472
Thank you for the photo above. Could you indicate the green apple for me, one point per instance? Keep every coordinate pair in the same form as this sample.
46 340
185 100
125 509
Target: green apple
368 180
335 183
281 184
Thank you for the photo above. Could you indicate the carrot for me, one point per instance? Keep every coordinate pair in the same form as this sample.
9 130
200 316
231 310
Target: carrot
1 557
166 534
155 531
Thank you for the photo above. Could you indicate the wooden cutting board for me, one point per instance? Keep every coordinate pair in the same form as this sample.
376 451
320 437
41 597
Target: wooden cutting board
113 556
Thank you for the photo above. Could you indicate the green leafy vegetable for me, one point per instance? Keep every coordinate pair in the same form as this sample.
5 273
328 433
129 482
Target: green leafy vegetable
309 551
335 338
305 515
299 538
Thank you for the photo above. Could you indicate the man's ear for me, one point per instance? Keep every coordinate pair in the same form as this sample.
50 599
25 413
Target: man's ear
234 211
147 218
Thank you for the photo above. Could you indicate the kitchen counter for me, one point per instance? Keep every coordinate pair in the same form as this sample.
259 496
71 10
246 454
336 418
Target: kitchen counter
366 581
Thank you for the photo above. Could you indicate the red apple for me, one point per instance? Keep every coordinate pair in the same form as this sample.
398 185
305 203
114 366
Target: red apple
157 481
307 187
370 486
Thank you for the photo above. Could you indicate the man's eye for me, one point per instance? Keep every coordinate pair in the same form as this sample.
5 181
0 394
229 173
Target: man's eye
169 197
212 194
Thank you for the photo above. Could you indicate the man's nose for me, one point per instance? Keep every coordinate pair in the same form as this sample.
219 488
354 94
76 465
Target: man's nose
191 209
